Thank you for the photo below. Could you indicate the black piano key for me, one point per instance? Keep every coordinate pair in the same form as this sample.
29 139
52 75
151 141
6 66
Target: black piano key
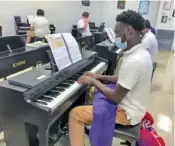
70 82
56 91
60 89
41 102
76 76
52 94
46 99
73 78
63 85
79 74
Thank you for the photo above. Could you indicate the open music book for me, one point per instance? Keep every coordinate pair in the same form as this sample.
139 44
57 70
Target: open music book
64 48
110 34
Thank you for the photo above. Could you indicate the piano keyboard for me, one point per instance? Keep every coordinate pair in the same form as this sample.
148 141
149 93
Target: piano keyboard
58 95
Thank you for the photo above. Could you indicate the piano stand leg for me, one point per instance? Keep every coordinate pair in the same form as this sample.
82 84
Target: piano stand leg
15 133
43 136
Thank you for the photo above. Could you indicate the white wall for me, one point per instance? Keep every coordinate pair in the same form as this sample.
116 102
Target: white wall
63 14
170 23
110 11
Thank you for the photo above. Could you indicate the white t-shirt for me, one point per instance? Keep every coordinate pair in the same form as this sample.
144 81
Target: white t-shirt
135 75
151 44
41 26
86 32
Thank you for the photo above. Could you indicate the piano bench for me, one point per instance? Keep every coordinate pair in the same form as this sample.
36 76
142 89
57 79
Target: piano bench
129 133
35 39
41 39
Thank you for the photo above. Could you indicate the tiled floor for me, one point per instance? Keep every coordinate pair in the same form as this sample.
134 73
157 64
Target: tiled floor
161 101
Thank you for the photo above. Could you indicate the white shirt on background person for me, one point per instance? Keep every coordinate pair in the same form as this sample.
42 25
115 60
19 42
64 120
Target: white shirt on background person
150 41
41 26
86 32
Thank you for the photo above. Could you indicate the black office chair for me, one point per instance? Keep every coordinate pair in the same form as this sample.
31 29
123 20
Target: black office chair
52 29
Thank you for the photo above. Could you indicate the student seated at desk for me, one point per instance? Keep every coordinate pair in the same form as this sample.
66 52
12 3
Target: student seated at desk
39 26
124 100
84 24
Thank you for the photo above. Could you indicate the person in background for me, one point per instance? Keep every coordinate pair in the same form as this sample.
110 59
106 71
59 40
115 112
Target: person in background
123 102
153 30
84 24
148 24
39 26
150 41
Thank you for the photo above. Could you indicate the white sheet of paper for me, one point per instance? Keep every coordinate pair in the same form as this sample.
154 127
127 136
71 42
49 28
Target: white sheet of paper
73 47
109 35
112 32
59 51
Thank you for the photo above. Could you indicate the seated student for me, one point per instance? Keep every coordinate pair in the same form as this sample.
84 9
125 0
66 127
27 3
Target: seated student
84 24
148 24
150 41
39 26
127 99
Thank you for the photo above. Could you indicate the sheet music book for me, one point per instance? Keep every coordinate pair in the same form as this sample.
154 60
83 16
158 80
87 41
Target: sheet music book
73 47
112 32
109 35
59 50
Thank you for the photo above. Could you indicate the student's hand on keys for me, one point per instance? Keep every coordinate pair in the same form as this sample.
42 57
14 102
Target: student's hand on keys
86 80
93 75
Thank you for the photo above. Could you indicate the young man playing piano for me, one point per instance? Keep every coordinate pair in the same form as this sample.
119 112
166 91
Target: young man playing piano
124 101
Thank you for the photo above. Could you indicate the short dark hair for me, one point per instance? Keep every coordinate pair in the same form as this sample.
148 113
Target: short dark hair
132 18
85 14
40 12
147 24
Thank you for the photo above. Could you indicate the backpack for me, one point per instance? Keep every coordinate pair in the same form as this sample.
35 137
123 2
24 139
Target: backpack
148 135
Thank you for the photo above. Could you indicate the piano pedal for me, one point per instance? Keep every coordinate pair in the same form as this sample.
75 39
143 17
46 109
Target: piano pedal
64 130
53 137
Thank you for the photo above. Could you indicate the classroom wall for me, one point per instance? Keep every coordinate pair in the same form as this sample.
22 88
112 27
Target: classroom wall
110 11
63 14
169 25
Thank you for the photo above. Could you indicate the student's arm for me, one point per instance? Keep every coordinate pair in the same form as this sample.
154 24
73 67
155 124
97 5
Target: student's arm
116 95
111 79
128 76
82 24
32 25
85 24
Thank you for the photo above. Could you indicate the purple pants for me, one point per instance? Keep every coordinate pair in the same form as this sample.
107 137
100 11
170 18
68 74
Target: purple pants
103 124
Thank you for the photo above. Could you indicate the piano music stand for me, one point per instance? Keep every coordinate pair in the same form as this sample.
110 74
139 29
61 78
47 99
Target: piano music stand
52 61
